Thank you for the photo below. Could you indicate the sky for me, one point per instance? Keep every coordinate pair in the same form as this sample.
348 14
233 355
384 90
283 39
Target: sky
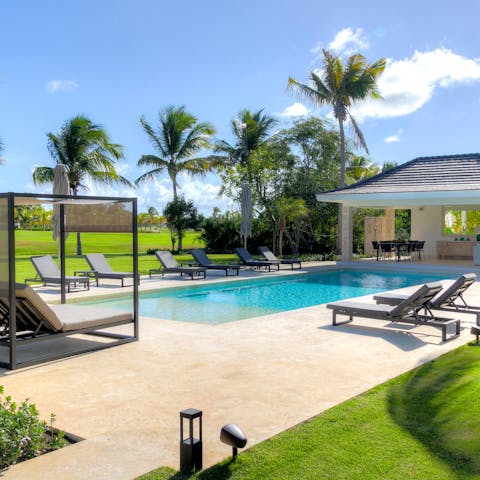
116 60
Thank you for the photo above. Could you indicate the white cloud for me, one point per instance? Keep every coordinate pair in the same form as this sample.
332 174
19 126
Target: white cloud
395 137
158 192
54 86
295 110
407 85
347 41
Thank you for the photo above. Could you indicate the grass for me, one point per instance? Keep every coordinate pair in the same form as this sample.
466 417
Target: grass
28 242
424 424
115 246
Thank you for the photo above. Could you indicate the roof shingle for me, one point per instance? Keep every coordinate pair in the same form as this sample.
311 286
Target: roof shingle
424 174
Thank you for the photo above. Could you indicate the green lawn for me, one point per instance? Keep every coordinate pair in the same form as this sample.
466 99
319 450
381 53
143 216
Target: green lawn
115 246
423 425
28 242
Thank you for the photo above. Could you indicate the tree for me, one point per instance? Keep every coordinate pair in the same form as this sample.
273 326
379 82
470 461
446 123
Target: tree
251 130
179 136
339 86
293 210
87 152
360 168
180 215
389 166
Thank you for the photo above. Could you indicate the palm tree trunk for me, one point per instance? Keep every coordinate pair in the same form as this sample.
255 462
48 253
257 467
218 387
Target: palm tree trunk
79 244
342 183
180 240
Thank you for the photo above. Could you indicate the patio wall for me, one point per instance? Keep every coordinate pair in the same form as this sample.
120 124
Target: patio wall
427 225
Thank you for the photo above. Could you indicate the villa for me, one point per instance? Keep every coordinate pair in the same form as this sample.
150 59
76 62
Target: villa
430 187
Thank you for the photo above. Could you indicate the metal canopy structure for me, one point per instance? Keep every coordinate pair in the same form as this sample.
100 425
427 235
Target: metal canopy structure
77 214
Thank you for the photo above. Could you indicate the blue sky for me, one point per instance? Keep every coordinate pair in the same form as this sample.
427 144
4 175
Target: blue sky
115 60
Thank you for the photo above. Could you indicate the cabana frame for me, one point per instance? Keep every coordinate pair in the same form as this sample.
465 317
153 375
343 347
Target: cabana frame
8 201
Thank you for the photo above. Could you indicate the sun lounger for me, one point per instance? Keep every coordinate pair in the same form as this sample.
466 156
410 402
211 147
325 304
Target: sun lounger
249 261
36 321
170 265
201 258
102 269
407 311
48 272
449 299
269 255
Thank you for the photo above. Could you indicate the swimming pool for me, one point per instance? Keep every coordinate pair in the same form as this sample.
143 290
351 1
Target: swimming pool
231 301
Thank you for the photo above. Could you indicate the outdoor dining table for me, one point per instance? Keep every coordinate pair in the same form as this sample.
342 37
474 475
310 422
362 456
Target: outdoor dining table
398 247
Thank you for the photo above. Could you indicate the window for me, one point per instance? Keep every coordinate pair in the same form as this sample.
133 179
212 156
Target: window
461 222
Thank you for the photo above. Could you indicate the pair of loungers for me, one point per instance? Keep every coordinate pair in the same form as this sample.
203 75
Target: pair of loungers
415 308
170 265
49 273
270 259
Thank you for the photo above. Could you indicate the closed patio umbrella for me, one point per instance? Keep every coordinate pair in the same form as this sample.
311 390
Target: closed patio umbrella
60 187
247 211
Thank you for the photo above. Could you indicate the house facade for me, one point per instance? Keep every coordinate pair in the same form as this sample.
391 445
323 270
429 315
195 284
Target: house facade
442 192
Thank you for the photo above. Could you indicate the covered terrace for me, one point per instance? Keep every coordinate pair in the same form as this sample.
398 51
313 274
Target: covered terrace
432 188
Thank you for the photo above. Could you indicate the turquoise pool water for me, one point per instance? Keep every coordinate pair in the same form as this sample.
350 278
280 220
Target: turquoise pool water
227 302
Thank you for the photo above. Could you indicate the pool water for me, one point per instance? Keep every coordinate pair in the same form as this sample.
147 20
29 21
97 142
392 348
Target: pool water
231 301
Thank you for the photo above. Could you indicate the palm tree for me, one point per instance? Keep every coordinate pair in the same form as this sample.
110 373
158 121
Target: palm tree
179 136
340 85
360 168
251 130
87 152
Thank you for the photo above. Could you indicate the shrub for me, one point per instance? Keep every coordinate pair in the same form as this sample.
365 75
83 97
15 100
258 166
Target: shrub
22 434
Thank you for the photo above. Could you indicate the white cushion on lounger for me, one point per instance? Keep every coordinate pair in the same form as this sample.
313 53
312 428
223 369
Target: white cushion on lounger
75 317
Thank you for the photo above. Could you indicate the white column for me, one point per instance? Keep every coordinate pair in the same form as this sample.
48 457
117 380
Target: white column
347 234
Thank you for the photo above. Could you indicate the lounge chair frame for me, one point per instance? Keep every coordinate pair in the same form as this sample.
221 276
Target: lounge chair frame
201 258
12 311
102 269
446 300
408 311
175 267
247 259
270 257
55 279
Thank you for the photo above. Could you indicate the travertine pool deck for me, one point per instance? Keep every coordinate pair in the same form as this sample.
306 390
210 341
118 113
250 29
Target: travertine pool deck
266 374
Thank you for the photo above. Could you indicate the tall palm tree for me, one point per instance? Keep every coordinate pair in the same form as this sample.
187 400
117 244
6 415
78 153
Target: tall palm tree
340 85
178 138
251 130
87 152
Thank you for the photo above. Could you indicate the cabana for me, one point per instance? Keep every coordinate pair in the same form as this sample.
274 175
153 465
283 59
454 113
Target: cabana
20 345
432 188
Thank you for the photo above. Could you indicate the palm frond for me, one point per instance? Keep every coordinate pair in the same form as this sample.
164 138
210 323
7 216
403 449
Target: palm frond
358 137
153 137
151 175
42 175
